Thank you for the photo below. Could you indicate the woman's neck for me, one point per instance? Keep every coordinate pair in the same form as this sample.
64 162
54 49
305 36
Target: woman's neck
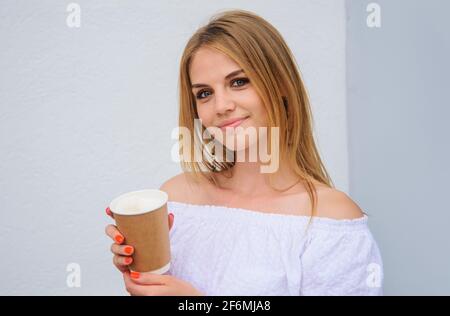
248 180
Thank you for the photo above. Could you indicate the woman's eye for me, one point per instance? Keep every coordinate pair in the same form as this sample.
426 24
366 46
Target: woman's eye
201 94
241 82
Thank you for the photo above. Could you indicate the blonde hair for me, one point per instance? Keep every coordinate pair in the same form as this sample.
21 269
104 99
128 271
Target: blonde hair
262 53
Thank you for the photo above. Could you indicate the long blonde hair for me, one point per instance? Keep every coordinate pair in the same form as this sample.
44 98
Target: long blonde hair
262 53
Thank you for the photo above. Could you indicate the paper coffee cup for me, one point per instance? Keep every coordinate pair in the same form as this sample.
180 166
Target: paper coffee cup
142 218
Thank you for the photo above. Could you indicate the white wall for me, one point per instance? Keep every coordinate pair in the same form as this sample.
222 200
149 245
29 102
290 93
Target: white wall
398 106
86 114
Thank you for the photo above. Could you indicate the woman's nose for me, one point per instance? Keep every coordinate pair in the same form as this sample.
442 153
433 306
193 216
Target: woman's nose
223 103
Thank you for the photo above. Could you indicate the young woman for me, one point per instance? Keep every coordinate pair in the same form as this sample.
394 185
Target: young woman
241 231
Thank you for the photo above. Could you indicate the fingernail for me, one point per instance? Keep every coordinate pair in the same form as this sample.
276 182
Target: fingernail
128 260
171 214
134 275
119 239
108 211
128 250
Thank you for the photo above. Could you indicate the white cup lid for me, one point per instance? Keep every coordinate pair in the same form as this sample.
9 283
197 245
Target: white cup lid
138 202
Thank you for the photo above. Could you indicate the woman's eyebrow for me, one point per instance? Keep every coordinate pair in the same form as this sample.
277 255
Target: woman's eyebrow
231 74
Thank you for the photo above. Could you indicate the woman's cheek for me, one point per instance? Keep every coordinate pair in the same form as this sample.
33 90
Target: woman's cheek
202 116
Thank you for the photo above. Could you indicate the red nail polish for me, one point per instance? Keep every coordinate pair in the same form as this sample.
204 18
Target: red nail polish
134 275
128 260
128 250
119 239
108 211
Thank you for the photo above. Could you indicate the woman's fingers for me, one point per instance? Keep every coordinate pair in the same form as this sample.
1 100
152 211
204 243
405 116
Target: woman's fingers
122 250
109 213
122 262
114 234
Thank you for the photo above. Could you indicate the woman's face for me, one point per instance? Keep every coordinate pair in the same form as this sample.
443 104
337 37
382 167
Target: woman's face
223 95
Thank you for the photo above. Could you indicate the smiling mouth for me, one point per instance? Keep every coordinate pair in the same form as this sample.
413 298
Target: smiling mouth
234 124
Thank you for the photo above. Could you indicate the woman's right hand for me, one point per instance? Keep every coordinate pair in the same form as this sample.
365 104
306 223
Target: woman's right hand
122 254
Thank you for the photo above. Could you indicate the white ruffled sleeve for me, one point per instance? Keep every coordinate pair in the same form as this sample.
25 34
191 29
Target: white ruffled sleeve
341 259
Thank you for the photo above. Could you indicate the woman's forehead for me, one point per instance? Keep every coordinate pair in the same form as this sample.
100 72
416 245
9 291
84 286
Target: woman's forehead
210 64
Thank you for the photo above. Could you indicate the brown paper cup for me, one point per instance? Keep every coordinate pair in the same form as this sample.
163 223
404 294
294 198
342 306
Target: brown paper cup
142 218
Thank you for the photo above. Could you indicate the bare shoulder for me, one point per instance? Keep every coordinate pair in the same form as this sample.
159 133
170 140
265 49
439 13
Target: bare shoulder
175 187
181 188
336 204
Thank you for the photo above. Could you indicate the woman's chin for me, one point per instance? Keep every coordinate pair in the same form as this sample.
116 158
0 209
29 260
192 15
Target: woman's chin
239 145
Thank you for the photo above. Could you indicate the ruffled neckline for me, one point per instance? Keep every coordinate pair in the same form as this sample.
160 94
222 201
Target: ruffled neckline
215 211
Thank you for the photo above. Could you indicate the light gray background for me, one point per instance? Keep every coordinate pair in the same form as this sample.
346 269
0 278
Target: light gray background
398 109
87 113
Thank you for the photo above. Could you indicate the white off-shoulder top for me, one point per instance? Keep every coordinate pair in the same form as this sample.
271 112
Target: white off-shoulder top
232 251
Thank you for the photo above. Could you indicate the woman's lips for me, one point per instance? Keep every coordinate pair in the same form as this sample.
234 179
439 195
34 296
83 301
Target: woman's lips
234 124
